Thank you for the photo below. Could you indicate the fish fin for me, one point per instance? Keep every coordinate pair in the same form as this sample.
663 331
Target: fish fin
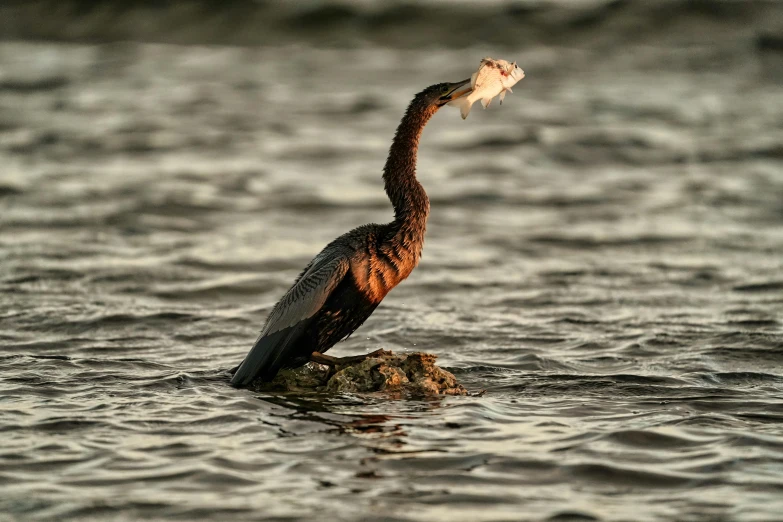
463 104
502 95
485 102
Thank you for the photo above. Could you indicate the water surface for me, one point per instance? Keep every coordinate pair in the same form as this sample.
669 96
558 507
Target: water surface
604 257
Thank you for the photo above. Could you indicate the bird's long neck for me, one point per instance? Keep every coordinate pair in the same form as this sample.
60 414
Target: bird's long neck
411 205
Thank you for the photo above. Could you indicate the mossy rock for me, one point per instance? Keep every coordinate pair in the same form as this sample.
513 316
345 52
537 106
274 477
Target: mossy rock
411 374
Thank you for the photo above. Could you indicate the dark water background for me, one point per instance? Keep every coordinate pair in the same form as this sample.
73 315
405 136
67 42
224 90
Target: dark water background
604 257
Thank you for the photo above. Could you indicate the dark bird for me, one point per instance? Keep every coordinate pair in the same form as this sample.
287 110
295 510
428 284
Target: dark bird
344 284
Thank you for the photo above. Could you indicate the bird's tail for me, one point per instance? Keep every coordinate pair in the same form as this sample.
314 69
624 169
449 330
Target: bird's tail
267 356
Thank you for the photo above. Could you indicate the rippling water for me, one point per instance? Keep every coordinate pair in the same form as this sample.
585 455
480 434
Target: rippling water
603 257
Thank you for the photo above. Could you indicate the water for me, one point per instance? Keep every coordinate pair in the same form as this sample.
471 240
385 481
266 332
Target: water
604 257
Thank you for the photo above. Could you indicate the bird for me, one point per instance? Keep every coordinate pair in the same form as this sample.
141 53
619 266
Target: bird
342 286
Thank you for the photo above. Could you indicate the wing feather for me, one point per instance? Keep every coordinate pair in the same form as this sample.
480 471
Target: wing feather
290 315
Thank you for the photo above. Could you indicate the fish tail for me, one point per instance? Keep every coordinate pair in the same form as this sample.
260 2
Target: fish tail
463 104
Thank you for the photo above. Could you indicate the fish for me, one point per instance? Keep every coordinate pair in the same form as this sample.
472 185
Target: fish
493 78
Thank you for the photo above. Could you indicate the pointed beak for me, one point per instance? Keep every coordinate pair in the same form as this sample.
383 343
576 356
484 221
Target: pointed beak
456 90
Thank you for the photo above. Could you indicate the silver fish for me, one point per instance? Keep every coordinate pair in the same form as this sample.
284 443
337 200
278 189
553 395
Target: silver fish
493 78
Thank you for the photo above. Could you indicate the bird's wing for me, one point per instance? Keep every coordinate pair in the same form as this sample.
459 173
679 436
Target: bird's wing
308 294
289 317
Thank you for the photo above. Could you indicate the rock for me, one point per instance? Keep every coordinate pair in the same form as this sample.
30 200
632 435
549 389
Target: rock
412 374
307 377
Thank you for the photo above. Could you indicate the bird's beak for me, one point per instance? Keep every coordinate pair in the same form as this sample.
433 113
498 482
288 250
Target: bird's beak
456 90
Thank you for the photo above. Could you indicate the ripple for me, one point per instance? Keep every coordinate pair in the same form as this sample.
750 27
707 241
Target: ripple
603 473
771 286
601 258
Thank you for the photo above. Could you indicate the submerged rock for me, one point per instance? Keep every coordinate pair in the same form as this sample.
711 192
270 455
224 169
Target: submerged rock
414 374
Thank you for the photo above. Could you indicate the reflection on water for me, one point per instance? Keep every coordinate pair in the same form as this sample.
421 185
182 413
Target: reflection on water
603 257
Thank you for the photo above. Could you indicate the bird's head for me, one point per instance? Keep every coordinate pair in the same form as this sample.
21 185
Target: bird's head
436 96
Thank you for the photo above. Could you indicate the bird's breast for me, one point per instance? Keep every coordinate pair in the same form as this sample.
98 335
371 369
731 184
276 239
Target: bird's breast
379 268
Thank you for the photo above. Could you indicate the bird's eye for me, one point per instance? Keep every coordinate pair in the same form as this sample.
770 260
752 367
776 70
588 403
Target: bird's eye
444 89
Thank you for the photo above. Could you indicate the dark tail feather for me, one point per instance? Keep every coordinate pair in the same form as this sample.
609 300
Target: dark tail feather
267 356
